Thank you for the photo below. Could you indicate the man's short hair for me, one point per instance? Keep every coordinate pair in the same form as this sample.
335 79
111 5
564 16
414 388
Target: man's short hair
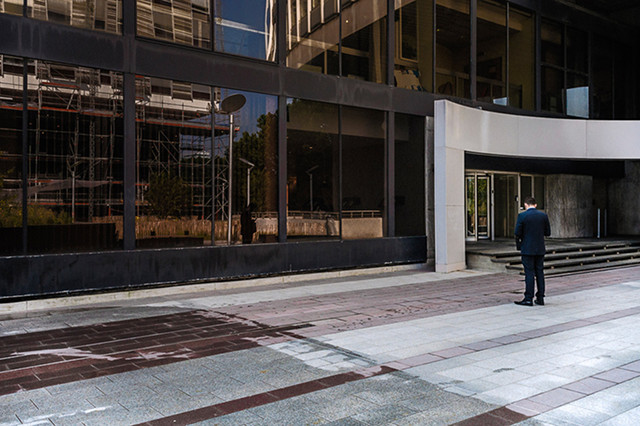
530 200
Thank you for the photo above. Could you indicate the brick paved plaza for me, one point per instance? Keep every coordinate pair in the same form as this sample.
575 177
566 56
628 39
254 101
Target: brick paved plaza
402 347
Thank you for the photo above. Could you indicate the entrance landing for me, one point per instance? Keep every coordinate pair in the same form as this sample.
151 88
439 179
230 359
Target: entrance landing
564 255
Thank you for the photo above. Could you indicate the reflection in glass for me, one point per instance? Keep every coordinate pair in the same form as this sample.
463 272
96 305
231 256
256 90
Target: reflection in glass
452 48
552 89
75 145
602 77
492 50
538 190
483 206
409 177
521 58
313 161
526 189
577 95
11 7
181 21
577 50
364 40
414 47
246 27
254 156
312 39
11 159
551 43
363 165
105 15
173 164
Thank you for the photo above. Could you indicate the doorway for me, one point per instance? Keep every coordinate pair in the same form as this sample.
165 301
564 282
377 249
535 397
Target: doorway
494 199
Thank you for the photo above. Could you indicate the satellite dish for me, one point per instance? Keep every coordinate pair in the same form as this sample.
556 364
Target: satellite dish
232 103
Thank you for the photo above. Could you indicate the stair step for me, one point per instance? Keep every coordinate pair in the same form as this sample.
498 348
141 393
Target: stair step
590 267
575 254
582 261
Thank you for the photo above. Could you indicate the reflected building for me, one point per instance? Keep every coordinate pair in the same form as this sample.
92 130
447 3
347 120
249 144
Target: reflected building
351 132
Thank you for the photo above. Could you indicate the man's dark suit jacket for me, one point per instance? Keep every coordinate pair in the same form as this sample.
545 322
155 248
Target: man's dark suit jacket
532 226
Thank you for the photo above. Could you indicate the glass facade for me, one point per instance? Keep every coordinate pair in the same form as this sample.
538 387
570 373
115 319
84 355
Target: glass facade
453 48
492 52
409 175
180 21
413 68
75 158
11 177
338 37
104 15
246 27
522 63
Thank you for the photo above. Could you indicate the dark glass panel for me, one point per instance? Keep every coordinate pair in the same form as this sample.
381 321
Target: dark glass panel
313 46
453 42
626 83
492 50
173 164
552 89
410 175
180 21
552 45
11 73
602 78
254 184
522 42
313 170
246 27
364 40
75 158
363 165
538 184
577 50
414 46
104 15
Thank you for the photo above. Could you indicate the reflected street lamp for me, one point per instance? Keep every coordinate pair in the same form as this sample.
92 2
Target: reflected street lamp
228 106
310 173
251 166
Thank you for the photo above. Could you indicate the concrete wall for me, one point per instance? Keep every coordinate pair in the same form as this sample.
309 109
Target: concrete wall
429 189
624 202
569 200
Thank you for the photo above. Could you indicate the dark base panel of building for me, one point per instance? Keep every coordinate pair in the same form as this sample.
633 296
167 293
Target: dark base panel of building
48 275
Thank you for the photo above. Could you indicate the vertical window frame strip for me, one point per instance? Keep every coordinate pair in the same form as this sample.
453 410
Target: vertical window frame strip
473 49
282 169
390 181
538 60
340 179
507 81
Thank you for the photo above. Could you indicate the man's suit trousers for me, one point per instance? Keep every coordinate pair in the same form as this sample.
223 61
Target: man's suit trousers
533 270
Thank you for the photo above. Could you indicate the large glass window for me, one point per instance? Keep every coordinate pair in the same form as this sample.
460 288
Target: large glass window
414 44
602 78
410 175
492 52
246 27
552 78
522 43
253 158
313 46
313 170
181 21
11 72
105 15
453 39
75 158
626 83
364 40
192 166
363 165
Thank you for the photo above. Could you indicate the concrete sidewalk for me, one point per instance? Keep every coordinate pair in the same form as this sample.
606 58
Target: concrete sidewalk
401 348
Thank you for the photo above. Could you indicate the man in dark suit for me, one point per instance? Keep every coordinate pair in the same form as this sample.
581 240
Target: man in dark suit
531 228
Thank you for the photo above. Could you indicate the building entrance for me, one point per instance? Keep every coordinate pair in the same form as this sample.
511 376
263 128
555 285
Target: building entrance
494 199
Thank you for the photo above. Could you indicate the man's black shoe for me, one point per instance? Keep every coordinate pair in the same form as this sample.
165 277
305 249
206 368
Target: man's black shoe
539 302
524 302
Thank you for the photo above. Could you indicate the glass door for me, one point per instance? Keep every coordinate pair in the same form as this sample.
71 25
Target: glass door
478 190
507 204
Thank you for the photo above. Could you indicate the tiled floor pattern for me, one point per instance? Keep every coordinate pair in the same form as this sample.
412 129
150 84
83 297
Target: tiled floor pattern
405 348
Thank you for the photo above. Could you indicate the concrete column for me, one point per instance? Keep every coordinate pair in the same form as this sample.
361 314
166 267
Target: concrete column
449 197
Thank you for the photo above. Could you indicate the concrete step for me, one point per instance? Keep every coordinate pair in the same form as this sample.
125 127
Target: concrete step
576 254
563 263
576 269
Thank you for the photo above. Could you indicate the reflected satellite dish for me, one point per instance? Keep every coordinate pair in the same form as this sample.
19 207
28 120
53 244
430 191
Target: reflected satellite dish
232 103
